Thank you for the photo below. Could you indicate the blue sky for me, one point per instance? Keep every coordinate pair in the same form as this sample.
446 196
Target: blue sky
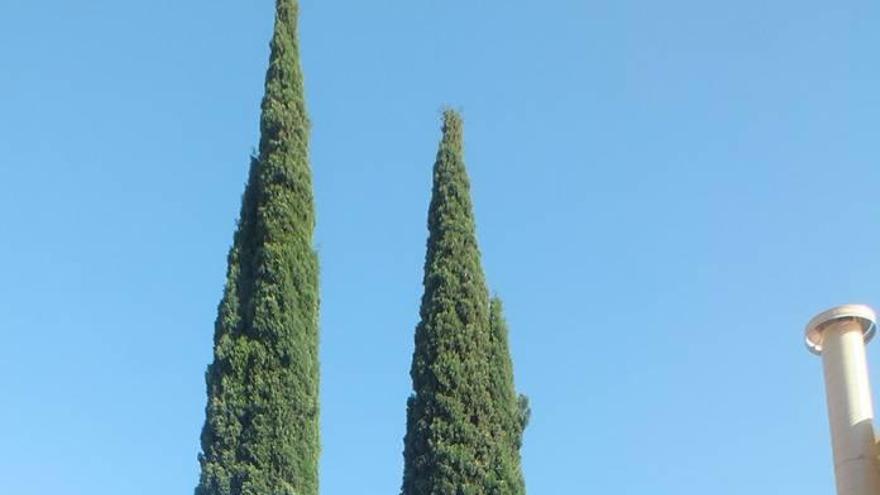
665 193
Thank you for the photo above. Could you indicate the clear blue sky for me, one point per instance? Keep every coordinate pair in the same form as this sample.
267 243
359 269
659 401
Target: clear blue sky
665 193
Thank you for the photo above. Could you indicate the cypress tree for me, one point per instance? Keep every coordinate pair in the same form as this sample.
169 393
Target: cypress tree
454 443
260 435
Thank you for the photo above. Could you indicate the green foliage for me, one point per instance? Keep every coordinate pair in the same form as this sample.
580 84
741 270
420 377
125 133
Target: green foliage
261 430
463 423
525 414
512 412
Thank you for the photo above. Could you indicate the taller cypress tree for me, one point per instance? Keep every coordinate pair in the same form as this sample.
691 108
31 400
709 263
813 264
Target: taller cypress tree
261 430
455 443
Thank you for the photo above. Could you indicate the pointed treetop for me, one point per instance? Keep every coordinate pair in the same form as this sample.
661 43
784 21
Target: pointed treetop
452 126
284 122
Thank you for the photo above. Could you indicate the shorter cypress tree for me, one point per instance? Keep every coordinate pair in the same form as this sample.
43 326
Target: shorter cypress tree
464 425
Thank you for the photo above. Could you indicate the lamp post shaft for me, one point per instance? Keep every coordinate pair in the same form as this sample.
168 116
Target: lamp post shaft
839 335
850 408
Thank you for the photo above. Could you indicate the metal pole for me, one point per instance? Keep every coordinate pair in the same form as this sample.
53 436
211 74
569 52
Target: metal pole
839 336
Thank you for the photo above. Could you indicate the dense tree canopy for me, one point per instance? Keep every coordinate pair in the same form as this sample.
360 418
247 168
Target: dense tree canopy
461 437
261 430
